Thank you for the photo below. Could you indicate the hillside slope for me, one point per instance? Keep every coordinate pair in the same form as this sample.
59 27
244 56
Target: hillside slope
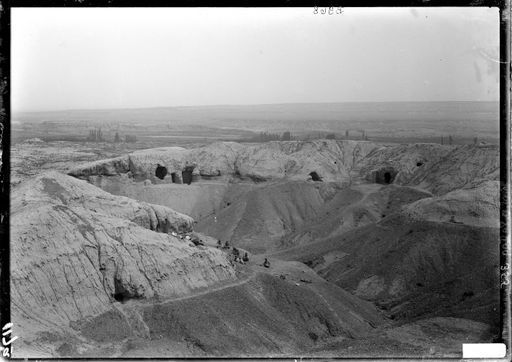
77 249
259 218
95 274
437 256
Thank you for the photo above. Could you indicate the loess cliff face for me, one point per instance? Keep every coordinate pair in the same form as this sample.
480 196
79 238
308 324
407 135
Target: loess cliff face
76 250
294 160
435 168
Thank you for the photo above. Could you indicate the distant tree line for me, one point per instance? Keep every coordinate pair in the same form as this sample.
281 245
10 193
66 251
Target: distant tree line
96 135
360 134
334 136
449 139
267 136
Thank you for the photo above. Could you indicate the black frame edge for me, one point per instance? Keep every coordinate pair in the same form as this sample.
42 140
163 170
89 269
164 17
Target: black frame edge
505 151
5 115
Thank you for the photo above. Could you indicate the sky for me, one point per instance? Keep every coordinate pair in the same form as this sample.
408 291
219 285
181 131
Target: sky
100 58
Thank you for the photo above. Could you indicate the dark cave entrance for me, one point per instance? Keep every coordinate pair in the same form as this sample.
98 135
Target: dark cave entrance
315 176
385 175
120 294
186 175
120 297
160 171
173 178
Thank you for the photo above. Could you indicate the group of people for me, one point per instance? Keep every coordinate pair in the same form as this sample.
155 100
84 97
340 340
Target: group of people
236 255
226 244
238 258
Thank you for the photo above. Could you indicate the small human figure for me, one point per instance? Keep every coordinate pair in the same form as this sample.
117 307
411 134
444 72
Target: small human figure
226 245
219 244
245 258
236 252
266 263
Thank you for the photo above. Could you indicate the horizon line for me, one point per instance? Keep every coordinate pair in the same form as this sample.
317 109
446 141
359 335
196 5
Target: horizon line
242 105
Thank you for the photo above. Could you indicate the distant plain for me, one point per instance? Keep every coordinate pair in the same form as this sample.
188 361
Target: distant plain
402 122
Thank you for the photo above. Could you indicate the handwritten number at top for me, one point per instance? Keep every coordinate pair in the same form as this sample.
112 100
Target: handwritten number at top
328 10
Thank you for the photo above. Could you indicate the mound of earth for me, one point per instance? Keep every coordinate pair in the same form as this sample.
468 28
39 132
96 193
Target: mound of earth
77 249
433 257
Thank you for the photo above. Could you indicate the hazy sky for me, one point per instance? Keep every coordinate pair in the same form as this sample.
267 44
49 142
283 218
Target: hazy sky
147 57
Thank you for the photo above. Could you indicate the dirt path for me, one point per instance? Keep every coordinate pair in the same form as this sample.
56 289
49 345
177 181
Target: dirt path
197 293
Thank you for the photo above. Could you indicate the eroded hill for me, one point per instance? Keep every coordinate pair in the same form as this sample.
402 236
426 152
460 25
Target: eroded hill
435 168
368 243
95 274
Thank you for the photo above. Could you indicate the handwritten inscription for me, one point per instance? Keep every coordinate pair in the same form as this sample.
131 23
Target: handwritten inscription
331 10
6 344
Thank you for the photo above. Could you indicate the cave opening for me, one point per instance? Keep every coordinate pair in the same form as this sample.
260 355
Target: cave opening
173 178
120 293
160 171
385 175
120 297
315 176
186 175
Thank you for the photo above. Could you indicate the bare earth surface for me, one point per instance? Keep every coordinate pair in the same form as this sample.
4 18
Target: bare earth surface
393 253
